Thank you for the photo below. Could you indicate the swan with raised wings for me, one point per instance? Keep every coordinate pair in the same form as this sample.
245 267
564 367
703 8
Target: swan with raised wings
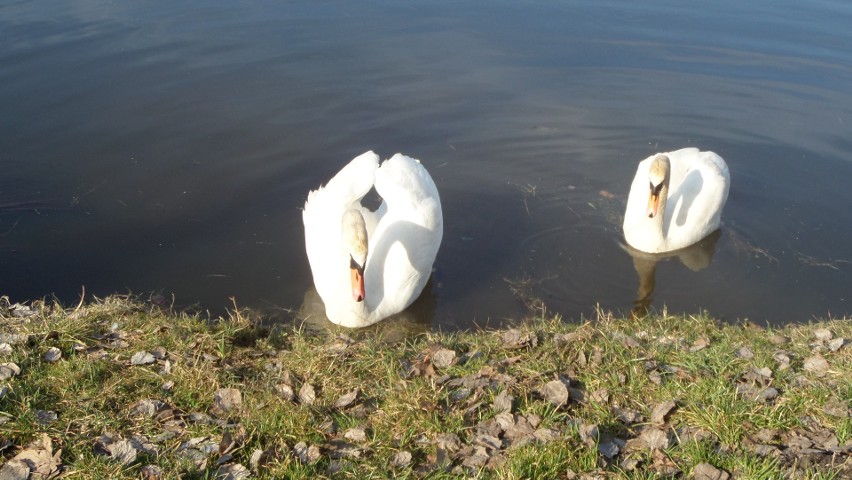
676 199
370 265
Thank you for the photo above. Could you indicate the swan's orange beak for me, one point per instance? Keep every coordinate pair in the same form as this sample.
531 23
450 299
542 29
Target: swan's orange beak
357 277
653 203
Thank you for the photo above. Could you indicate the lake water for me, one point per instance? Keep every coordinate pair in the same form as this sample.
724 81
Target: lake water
168 147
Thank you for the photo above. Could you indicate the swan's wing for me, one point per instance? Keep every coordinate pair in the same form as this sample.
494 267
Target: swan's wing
698 197
349 185
404 184
408 236
410 195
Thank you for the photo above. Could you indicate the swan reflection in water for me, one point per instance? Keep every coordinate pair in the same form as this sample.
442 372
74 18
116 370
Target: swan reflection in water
414 320
695 257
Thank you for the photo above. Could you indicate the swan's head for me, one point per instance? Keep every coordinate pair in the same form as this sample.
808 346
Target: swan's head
658 176
355 243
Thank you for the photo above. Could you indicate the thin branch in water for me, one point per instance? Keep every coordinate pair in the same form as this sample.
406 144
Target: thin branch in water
7 232
743 246
527 190
810 261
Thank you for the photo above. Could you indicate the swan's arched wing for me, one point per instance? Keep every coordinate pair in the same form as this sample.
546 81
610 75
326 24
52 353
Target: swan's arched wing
408 236
348 185
696 201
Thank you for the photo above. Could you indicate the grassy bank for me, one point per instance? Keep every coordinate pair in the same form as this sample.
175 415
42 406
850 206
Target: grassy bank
122 389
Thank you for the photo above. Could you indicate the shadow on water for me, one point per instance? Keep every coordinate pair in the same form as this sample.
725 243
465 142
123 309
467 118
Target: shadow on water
695 257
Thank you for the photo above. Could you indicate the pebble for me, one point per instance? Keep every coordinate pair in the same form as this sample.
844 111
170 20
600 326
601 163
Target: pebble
816 364
608 449
307 394
705 471
745 353
401 459
700 344
823 334
306 454
46 417
655 438
228 399
355 434
52 354
503 402
555 392
285 391
141 358
9 370
836 344
151 472
232 471
443 358
766 395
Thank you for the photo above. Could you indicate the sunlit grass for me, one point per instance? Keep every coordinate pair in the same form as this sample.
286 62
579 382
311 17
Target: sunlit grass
611 363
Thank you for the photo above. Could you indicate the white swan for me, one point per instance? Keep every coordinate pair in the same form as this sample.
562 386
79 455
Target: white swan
676 200
370 265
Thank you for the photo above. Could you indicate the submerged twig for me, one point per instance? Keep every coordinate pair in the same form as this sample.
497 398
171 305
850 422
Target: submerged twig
527 190
7 232
810 261
743 246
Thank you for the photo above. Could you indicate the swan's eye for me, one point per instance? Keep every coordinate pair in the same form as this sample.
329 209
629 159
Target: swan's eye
354 265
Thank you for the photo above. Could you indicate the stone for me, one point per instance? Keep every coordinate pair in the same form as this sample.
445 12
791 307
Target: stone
816 364
227 400
823 334
443 358
232 471
141 358
307 394
705 471
52 355
9 370
555 392
401 459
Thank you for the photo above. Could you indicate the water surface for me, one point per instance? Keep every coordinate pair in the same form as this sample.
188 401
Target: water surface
169 147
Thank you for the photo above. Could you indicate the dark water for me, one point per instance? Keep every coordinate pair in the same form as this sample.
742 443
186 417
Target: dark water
169 146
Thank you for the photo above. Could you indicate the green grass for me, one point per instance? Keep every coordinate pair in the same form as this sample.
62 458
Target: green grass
614 363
